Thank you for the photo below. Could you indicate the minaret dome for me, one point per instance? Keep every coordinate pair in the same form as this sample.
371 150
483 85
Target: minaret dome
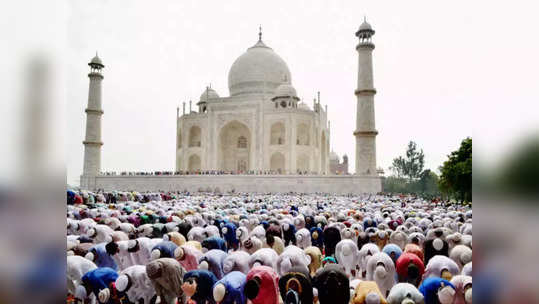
96 63
365 31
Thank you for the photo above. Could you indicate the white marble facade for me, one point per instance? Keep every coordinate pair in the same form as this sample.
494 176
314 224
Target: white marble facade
261 126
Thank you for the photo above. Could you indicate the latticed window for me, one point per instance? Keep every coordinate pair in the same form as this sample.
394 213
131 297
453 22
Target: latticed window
242 142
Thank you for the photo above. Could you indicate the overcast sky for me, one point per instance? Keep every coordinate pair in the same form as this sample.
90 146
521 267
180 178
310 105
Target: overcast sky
428 69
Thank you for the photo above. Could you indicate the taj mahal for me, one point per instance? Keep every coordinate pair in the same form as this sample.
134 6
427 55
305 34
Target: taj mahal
262 137
262 125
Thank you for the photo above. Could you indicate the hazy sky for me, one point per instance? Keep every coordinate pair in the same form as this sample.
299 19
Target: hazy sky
427 69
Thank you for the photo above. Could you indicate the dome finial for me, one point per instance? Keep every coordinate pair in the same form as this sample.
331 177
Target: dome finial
260 33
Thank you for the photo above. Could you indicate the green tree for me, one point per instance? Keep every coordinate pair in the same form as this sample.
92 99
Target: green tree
428 183
398 167
426 186
456 173
411 165
394 184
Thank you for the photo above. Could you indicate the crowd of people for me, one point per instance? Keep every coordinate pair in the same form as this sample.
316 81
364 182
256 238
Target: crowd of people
129 247
207 172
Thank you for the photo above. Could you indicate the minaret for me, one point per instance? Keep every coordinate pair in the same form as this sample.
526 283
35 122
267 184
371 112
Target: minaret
365 122
93 143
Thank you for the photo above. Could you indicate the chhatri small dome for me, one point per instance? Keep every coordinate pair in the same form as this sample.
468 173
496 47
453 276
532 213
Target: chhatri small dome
208 94
285 90
303 106
365 30
96 61
258 70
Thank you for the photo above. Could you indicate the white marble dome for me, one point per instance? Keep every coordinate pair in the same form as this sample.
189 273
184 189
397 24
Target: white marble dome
285 90
258 70
208 94
303 106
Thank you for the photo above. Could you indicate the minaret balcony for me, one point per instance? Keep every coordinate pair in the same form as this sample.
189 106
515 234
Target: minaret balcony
94 111
365 92
366 133
95 75
365 45
92 143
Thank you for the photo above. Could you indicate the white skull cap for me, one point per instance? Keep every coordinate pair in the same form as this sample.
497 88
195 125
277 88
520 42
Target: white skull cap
219 292
104 295
91 232
372 298
468 295
178 253
438 244
89 256
203 265
122 282
380 271
446 294
156 253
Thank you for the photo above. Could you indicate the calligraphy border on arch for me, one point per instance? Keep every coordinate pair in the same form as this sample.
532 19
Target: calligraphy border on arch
244 118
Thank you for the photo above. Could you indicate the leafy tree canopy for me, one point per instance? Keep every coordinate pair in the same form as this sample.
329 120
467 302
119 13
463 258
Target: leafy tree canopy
411 165
456 173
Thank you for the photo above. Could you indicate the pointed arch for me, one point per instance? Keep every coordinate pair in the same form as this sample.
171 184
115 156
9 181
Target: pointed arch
277 162
234 147
195 136
303 132
194 163
303 163
277 134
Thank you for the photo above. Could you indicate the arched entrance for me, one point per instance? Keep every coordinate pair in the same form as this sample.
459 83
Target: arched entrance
277 134
277 162
234 147
303 135
194 163
302 163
